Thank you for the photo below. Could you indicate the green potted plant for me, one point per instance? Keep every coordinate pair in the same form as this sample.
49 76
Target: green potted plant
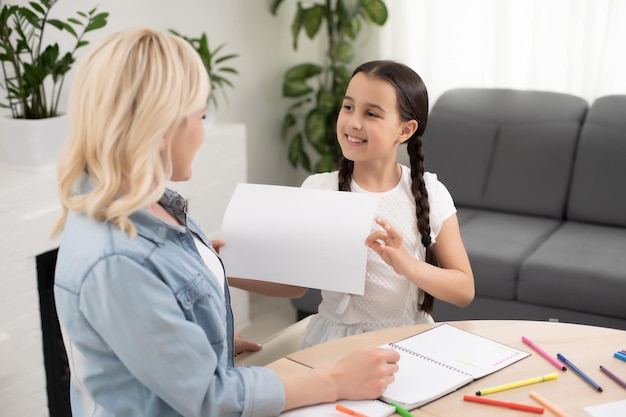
33 72
317 89
218 70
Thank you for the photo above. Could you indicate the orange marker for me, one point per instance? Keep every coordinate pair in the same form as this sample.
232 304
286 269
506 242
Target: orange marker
346 410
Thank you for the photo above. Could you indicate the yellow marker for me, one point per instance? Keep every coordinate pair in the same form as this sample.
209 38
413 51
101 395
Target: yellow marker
517 384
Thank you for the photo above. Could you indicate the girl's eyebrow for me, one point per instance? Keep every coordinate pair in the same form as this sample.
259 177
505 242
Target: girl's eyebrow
376 106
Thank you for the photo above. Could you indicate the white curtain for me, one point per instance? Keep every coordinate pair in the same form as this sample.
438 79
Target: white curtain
569 46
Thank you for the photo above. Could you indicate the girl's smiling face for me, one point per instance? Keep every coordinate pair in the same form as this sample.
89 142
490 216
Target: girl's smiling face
369 126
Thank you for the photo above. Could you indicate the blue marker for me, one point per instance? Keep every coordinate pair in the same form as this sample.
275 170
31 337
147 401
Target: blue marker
579 372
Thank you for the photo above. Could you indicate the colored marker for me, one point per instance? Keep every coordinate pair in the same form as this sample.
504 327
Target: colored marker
620 355
400 410
517 384
516 406
613 376
544 353
346 410
579 372
556 410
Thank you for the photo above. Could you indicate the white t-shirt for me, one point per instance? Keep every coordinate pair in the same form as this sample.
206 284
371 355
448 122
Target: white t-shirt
212 262
390 300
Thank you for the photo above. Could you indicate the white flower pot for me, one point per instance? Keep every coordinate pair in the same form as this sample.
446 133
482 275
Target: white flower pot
33 143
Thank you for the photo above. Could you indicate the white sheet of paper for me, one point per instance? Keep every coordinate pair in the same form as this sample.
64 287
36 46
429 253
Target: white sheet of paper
300 236
612 409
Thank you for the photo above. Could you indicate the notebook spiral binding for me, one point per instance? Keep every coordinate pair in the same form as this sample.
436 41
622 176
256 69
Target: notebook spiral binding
436 362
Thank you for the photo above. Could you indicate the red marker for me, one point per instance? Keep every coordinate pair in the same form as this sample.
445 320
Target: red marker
516 406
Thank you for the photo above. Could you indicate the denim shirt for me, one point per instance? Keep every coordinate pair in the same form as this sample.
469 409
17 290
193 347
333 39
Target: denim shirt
146 328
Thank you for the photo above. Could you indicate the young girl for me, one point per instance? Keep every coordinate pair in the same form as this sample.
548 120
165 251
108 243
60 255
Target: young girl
140 292
416 252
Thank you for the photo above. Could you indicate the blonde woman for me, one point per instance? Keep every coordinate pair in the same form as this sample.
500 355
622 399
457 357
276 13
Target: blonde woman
141 293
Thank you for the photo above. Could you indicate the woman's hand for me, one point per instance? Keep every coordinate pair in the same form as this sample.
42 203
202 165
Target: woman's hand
365 373
362 374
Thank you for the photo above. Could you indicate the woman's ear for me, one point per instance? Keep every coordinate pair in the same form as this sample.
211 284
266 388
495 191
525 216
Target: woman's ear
408 128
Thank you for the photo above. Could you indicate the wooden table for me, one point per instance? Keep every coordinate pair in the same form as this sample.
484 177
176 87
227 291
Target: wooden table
587 347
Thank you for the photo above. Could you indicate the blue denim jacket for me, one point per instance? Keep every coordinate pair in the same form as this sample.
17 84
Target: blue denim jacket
146 329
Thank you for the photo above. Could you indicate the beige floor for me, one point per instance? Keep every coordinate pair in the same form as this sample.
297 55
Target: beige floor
268 315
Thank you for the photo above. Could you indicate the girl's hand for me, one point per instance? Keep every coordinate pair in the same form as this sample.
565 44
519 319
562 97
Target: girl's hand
217 244
388 244
242 345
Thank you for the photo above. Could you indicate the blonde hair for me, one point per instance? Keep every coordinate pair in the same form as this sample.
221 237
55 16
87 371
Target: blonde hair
130 94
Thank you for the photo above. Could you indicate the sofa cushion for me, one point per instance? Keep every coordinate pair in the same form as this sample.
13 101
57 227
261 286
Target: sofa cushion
459 150
530 171
504 149
497 244
598 190
464 214
580 267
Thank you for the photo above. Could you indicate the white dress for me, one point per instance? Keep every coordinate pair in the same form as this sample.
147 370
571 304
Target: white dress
390 300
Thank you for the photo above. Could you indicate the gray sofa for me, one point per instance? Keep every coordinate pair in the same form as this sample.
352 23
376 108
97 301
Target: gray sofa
539 181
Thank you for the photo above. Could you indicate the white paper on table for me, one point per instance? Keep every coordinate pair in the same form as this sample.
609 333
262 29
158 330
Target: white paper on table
612 409
299 236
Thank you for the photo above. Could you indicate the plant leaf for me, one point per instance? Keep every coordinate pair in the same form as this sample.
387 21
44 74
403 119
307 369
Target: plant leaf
97 22
342 76
376 11
295 149
352 27
288 122
312 19
315 128
37 7
300 103
326 101
347 9
31 17
63 26
305 160
296 25
274 7
343 51
295 88
302 72
326 163
225 58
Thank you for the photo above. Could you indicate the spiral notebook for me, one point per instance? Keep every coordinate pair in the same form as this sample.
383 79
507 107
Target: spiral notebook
440 360
432 364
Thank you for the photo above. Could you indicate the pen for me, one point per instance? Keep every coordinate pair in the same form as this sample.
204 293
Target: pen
507 404
556 410
579 372
400 410
620 355
517 384
544 353
613 376
346 410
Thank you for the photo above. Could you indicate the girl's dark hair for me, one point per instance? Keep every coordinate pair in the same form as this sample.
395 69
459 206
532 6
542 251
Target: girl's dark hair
412 105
